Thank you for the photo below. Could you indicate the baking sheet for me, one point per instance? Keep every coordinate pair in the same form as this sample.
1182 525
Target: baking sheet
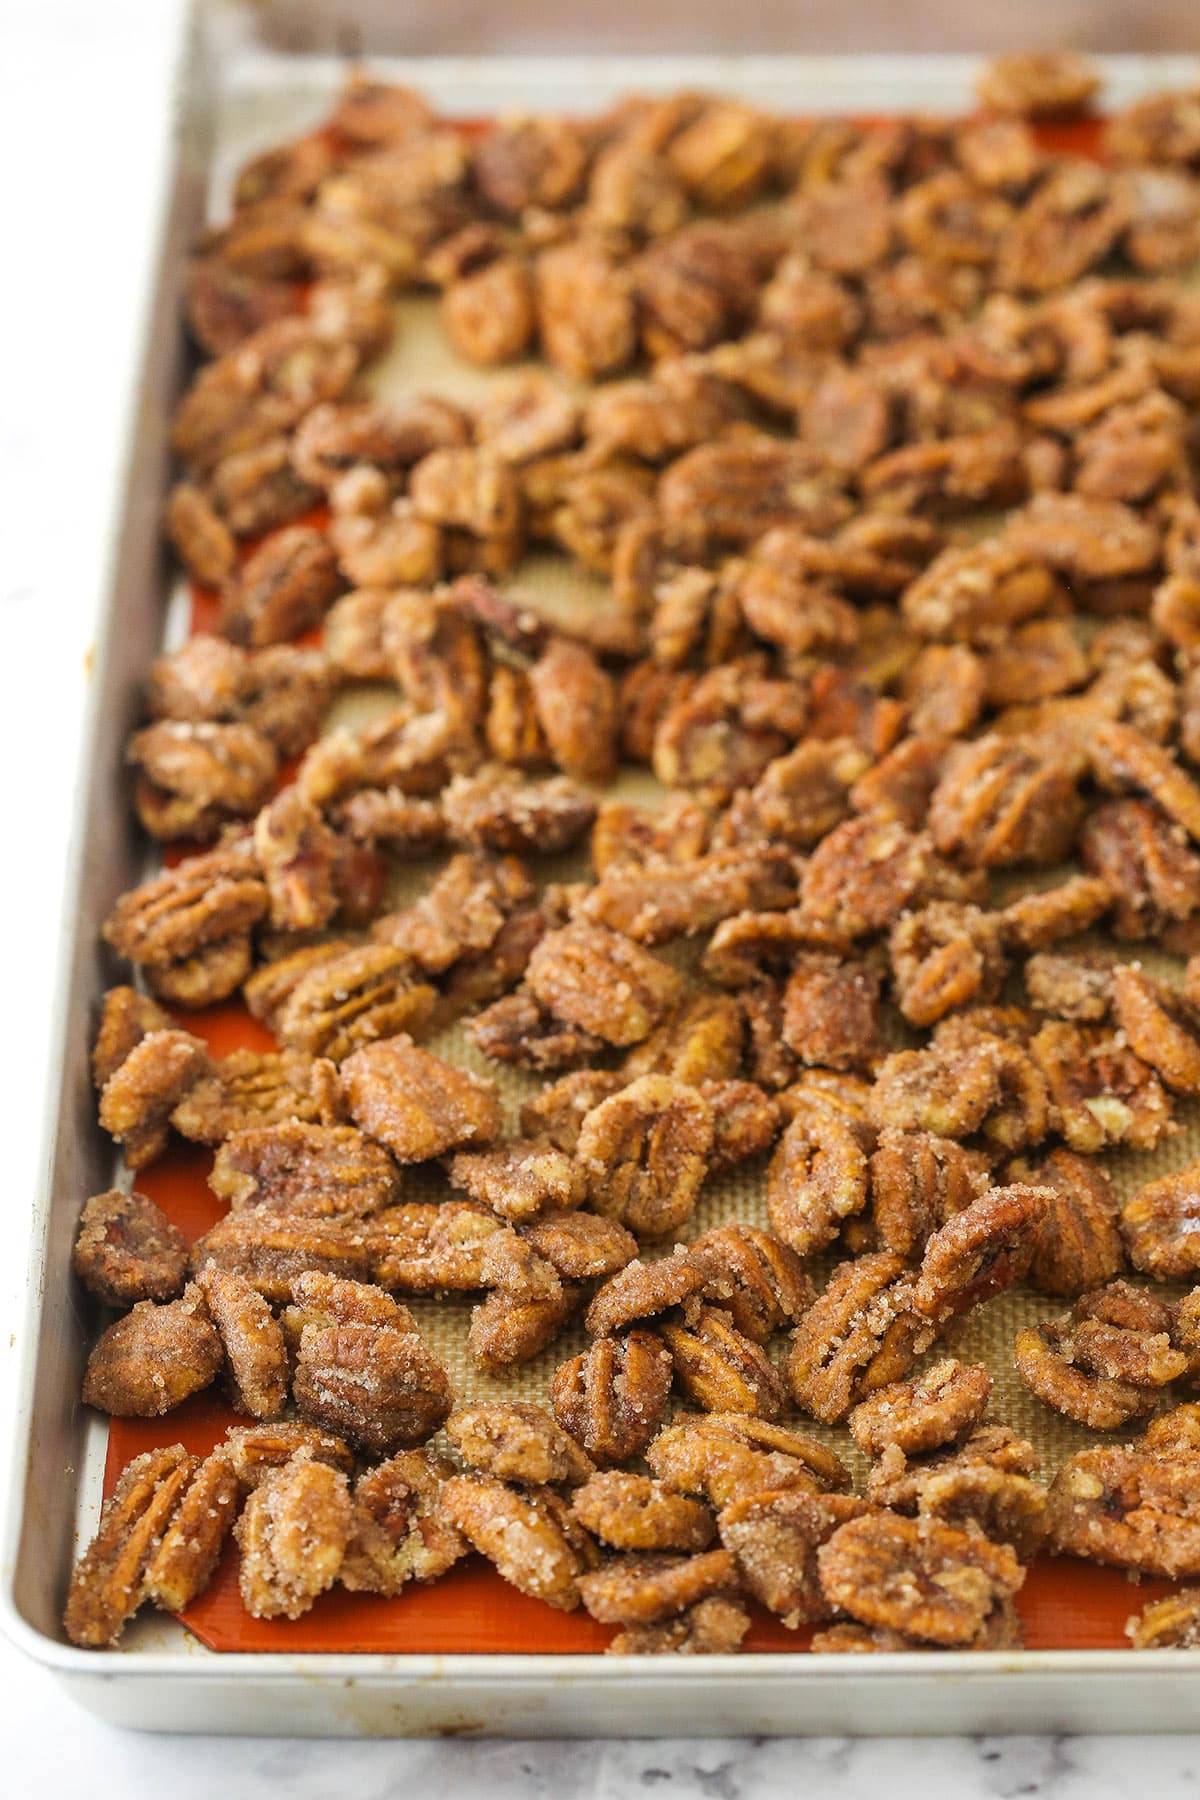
264 99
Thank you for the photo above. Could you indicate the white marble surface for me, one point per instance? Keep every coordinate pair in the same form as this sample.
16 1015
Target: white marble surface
81 98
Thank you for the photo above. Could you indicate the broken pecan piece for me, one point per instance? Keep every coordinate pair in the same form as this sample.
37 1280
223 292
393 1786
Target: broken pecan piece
127 1250
397 1531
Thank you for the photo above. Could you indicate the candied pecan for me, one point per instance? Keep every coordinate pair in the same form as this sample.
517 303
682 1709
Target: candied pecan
918 1576
602 982
1035 662
946 1090
1151 869
297 853
383 545
944 690
746 1121
255 1351
187 1552
933 1409
1161 1226
720 734
1068 227
529 1535
247 1089
998 802
141 1095
518 1029
981 1250
700 1041
698 286
1085 540
1070 986
863 875
581 1246
270 1250
257 490
293 1536
343 997
1169 1624
743 949
559 1110
720 1369
974 594
1122 758
203 902
727 1456
816 1180
943 957
800 796
416 1104
282 589
108 1583
612 1398
860 1334
126 1018
397 1532
255 1450
531 162
1100 1092
1078 1245
754 1277
517 1442
153 1358
631 1512
658 900
281 691
461 912
1159 1026
196 777
223 306
354 634
713 1627
585 309
743 488
1132 1505
511 729
641 1290
126 1250
576 707
521 1179
512 1326
494 811
435 654
432 1247
488 313
918 1181
640 1590
201 539
644 1152
322 1171
775 1535
378 1386
899 786
845 1639
1046 1358
1038 84
831 1012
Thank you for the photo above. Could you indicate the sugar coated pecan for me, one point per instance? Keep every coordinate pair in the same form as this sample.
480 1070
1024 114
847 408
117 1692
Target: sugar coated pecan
831 1012
700 1041
255 1451
255 1351
1048 1360
187 1553
377 1385
1078 988
414 1103
816 1181
754 1277
1161 1226
520 1180
1130 1506
640 1590
516 1441
323 1171
1153 872
933 1409
918 1576
108 1582
720 1369
1100 1092
943 957
1170 1624
726 1456
979 1251
284 587
127 1249
293 1536
271 1250
775 1536
1078 1244
153 1358
998 803
631 1512
580 1245
612 1398
397 1531
602 982
859 1335
713 1627
1160 1027
643 1289
918 1181
530 1536
644 1153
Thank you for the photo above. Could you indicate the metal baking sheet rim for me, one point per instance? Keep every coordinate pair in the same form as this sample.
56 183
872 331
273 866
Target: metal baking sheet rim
186 1688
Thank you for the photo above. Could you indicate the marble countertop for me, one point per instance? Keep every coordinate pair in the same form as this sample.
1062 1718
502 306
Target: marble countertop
81 100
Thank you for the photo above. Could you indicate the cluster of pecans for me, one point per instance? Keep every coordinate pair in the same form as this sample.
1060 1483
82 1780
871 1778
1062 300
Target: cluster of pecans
883 441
